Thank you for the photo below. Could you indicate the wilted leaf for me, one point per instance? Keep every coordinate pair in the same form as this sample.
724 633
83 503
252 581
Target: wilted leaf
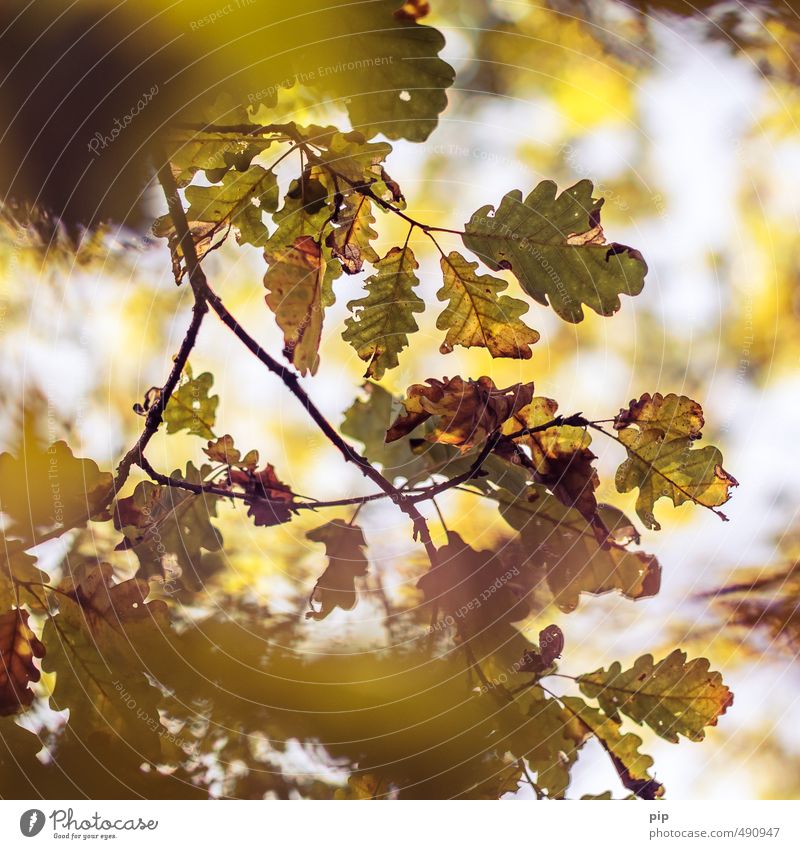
673 696
350 241
556 249
631 765
476 587
561 544
477 316
269 501
18 648
469 411
560 456
168 528
299 288
345 546
658 434
381 321
48 488
191 407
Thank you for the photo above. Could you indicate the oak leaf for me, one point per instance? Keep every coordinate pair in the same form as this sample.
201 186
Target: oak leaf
18 648
555 247
572 559
350 242
382 320
47 488
659 434
632 766
191 407
299 288
169 528
344 545
673 696
477 316
269 501
468 410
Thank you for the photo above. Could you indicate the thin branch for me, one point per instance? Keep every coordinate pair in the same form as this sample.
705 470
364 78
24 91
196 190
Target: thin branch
204 294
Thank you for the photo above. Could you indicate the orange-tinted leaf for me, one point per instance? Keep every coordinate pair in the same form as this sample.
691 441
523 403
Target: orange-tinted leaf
18 648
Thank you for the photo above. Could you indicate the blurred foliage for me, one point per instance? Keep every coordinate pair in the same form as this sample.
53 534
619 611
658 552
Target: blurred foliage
216 641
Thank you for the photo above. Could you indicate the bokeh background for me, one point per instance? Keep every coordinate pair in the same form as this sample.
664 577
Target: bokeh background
686 119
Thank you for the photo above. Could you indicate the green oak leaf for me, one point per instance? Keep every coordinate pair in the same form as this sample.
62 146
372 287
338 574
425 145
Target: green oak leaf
381 321
306 209
168 528
191 407
239 200
555 247
673 696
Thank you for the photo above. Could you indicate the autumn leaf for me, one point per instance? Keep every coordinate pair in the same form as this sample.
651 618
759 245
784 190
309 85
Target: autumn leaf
215 152
477 316
223 450
306 210
368 419
191 407
299 288
350 241
469 411
47 488
477 587
573 560
632 766
16 571
556 248
168 528
560 455
269 501
658 433
18 648
673 696
381 321
345 546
